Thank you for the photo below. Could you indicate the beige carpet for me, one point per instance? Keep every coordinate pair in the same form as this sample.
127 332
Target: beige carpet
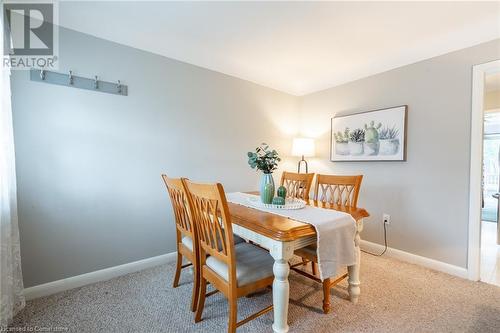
395 297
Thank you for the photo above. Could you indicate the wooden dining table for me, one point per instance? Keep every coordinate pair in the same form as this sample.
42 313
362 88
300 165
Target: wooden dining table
282 236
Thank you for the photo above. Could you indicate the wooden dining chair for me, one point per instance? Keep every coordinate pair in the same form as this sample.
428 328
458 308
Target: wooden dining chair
235 270
336 191
297 185
187 242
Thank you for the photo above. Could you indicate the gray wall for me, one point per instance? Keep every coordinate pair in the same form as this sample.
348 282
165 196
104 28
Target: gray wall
89 164
427 196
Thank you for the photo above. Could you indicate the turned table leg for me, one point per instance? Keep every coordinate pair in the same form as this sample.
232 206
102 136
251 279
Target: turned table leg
281 252
353 271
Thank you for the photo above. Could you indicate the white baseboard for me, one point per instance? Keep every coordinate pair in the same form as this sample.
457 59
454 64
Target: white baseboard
415 259
54 287
96 276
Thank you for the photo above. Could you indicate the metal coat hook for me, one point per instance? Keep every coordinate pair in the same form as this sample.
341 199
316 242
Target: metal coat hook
69 80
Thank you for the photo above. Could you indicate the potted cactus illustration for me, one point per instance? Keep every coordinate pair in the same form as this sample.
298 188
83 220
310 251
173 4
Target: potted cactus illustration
341 142
389 140
356 139
372 143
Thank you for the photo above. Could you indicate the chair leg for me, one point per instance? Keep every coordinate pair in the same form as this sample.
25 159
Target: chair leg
178 270
196 288
314 268
233 314
201 300
326 295
304 261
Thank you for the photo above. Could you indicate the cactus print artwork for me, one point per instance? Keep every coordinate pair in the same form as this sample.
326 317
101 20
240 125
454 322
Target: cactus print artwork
370 136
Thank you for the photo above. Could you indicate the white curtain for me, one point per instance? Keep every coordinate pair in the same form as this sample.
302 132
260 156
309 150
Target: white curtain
11 281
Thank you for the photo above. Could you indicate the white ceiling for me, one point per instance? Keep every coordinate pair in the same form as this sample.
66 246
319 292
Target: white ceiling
296 47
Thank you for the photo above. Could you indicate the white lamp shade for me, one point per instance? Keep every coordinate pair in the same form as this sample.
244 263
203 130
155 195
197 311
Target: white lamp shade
303 147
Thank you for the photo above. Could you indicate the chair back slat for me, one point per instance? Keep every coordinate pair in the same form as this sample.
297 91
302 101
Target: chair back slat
212 220
297 185
179 199
338 190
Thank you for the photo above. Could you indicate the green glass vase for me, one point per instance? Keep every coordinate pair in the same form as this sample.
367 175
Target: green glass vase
267 188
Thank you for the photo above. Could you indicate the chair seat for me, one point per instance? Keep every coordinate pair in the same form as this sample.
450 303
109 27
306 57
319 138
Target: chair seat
252 264
308 252
188 242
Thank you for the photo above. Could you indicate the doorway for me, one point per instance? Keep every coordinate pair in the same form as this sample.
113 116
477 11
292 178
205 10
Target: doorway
483 251
490 229
491 149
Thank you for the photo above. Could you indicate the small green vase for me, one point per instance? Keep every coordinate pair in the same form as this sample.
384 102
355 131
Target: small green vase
267 188
281 192
279 201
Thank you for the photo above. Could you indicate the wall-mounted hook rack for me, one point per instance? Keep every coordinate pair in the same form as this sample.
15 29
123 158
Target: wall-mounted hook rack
74 81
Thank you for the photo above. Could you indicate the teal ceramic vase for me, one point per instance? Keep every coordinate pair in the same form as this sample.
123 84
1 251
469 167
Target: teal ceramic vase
267 188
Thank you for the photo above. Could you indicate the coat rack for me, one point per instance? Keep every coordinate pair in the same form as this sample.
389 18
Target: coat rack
70 80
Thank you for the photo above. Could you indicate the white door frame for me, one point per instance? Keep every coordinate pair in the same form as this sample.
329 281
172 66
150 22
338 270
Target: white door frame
476 165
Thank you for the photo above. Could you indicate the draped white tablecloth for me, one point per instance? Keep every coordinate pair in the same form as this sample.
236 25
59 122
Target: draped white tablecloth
335 232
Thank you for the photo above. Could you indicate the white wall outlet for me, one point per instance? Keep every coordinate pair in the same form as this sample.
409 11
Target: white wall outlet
386 218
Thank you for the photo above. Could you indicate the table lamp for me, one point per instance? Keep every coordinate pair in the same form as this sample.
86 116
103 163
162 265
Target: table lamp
303 147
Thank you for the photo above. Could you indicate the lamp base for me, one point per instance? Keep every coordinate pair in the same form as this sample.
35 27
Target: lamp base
300 162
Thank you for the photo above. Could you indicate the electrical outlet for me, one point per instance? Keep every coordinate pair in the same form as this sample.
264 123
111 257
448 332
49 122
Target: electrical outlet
386 218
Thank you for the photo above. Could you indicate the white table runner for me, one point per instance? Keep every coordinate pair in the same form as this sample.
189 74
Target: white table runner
335 233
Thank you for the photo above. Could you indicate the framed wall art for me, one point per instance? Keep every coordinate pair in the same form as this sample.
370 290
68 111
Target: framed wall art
378 135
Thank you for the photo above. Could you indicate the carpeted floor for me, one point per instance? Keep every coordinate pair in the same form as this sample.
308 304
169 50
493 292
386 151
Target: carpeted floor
395 297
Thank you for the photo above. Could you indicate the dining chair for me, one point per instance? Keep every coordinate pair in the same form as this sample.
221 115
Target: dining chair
187 242
297 185
236 270
339 191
